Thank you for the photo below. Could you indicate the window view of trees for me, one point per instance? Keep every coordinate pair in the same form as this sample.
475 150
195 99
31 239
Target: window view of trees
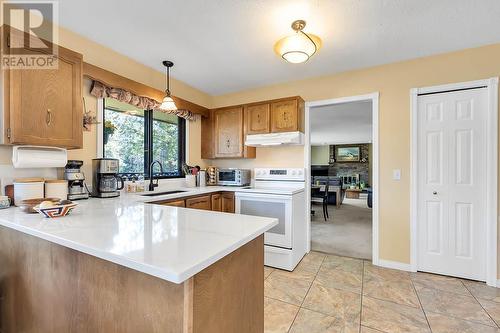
127 141
166 144
125 135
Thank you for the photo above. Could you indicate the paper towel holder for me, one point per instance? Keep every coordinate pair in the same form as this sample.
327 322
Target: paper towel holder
39 157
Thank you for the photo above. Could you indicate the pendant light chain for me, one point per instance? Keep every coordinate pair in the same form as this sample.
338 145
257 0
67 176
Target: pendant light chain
168 81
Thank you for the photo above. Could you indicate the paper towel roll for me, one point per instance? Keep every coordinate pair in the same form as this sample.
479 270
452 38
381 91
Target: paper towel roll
39 157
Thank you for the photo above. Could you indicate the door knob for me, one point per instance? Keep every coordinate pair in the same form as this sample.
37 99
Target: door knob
434 192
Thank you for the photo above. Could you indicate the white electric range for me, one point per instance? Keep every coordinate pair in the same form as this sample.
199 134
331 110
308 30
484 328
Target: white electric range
278 193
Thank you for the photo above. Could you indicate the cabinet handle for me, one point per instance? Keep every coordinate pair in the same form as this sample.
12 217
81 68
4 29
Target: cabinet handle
48 118
228 143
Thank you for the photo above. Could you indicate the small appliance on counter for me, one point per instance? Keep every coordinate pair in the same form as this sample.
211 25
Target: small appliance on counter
77 189
105 180
233 177
211 175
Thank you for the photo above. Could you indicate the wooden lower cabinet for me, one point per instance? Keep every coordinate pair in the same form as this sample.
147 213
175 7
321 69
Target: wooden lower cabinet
177 203
227 202
202 202
219 202
216 202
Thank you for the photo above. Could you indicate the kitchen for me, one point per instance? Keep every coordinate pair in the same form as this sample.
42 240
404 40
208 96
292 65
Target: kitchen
168 190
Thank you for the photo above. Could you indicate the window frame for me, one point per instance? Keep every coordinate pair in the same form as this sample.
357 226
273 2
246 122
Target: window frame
148 144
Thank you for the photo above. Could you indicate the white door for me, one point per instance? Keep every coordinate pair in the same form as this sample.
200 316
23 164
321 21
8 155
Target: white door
452 159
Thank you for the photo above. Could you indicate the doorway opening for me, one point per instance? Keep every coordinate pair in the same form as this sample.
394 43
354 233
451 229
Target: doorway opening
342 164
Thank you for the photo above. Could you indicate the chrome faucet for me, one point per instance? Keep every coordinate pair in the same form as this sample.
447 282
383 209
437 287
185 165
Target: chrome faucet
152 185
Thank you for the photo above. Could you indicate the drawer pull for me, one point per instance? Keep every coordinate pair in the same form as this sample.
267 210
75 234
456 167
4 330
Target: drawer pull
48 118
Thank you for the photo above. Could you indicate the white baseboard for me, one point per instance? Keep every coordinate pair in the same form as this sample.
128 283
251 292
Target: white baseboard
394 265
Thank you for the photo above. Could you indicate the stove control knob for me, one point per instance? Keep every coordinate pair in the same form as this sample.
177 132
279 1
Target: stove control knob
294 172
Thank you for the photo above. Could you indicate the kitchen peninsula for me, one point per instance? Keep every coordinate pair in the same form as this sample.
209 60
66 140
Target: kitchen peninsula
122 265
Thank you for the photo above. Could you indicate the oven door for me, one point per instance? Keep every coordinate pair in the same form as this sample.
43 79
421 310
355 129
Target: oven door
269 205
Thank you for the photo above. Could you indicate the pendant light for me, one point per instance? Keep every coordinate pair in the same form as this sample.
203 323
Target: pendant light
298 47
168 103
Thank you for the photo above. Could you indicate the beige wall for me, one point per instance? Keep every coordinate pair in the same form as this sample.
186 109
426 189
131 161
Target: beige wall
394 82
320 155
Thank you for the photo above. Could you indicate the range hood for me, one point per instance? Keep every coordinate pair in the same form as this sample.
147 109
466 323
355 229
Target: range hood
275 139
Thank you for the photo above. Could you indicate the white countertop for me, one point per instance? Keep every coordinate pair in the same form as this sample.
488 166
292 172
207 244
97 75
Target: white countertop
167 242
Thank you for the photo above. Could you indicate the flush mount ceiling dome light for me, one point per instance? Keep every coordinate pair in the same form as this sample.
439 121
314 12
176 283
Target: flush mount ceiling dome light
168 103
298 47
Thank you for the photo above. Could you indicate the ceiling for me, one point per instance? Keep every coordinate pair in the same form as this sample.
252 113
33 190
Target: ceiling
341 123
222 46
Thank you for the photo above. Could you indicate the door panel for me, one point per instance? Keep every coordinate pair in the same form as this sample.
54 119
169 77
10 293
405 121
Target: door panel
463 157
434 158
258 119
451 183
229 132
284 116
463 231
434 227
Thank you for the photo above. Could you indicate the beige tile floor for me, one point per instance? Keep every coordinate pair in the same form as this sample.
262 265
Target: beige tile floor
330 294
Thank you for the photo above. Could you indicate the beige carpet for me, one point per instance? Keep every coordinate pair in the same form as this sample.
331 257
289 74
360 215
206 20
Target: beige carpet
348 231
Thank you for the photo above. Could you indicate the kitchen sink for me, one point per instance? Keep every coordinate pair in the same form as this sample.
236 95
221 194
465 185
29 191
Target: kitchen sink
154 194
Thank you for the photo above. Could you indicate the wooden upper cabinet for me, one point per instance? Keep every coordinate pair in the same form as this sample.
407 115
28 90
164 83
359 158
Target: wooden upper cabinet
223 134
284 116
45 105
228 132
258 118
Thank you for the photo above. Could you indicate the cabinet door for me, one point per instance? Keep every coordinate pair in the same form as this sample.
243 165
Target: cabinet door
284 116
178 203
202 202
45 105
258 119
216 202
229 132
228 202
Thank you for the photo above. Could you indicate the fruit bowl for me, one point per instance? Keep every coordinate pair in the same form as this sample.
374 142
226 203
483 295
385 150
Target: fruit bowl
56 210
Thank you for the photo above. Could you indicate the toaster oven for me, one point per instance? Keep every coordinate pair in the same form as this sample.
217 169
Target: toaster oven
233 177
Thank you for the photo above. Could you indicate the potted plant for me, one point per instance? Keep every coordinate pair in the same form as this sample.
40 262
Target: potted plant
109 129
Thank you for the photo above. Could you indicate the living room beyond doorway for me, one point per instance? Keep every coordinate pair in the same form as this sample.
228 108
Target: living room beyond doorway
341 193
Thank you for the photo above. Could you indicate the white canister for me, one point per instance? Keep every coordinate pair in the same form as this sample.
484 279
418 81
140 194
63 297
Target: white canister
27 188
56 188
202 178
190 181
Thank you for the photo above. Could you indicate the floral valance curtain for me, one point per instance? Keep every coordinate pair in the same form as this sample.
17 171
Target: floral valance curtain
100 90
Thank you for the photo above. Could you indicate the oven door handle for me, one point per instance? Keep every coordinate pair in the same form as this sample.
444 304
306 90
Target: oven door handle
264 196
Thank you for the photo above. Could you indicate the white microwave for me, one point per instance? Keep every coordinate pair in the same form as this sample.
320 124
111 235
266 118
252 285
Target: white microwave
233 177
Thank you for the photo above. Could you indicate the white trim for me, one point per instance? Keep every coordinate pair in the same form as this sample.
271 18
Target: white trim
100 119
374 97
491 172
186 142
394 265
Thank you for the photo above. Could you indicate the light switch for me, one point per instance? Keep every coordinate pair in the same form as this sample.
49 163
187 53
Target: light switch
396 174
